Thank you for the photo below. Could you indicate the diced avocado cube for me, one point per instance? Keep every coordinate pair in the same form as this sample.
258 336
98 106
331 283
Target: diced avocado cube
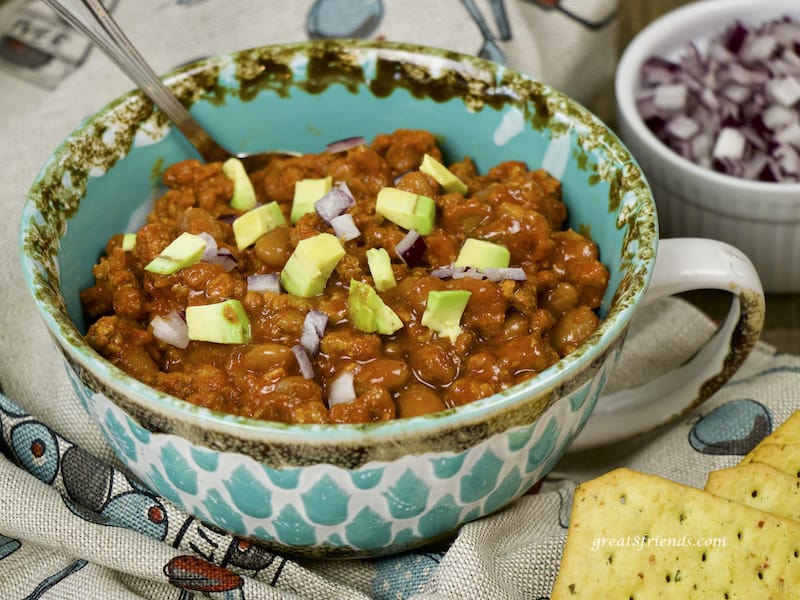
256 222
244 196
380 267
360 309
442 175
223 323
311 264
306 193
129 242
443 312
367 311
407 209
481 254
184 251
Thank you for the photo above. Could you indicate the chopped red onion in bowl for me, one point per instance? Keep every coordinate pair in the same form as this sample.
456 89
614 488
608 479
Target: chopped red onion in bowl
733 107
344 144
228 218
303 361
411 248
335 202
494 274
342 390
314 326
504 273
345 228
267 282
216 255
171 329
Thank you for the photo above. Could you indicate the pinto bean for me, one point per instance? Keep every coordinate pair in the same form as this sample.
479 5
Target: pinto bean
573 329
383 372
416 399
264 357
273 247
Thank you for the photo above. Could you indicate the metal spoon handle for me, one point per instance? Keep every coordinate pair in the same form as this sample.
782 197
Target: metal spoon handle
92 19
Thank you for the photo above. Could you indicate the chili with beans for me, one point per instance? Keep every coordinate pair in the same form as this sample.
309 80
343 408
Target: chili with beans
510 329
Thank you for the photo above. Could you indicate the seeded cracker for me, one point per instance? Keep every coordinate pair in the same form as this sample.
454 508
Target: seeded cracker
787 433
784 457
698 545
760 486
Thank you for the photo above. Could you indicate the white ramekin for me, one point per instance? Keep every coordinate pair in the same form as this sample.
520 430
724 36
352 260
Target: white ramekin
761 219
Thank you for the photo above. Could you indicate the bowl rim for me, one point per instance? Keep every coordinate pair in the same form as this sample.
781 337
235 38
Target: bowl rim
612 327
674 27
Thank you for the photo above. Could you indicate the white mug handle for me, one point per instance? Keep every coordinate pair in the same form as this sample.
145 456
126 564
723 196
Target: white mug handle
684 264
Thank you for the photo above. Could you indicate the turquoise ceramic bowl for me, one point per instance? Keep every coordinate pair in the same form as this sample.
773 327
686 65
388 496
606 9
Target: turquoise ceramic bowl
338 490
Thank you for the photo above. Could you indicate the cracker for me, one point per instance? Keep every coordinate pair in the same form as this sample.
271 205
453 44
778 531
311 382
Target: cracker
758 485
787 432
635 536
784 457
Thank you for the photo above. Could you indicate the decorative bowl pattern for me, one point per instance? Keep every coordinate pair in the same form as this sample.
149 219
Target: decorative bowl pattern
338 490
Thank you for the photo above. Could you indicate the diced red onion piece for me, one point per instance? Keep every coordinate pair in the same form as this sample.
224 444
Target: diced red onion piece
494 274
752 137
786 31
717 52
736 92
730 144
646 106
505 273
469 273
753 166
411 248
736 38
344 227
266 282
709 99
789 135
211 245
769 173
345 144
693 63
790 57
682 127
787 158
171 329
335 202
225 258
446 272
341 390
741 74
671 96
784 91
216 255
313 330
657 70
776 117
700 148
759 48
303 361
229 219
729 166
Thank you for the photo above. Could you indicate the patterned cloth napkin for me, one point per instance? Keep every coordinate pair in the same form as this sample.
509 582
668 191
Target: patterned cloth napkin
74 524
